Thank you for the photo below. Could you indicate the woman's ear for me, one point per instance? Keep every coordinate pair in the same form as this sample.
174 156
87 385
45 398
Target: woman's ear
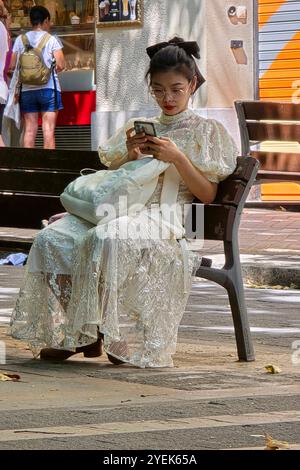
193 84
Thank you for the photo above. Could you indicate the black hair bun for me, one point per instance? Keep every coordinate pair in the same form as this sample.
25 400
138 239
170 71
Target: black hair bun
190 47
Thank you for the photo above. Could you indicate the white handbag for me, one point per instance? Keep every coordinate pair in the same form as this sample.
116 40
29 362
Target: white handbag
108 194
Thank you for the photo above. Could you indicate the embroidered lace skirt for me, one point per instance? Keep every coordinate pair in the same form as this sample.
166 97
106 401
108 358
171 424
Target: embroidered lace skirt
82 279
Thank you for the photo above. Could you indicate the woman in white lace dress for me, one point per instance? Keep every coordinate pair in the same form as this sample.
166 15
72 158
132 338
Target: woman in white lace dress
83 287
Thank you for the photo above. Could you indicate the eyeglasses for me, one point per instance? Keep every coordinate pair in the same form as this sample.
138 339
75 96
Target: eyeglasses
176 94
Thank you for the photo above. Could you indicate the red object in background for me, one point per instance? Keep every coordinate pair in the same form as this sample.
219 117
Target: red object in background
78 108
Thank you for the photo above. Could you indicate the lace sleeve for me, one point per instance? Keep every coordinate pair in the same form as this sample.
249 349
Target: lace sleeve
218 152
114 152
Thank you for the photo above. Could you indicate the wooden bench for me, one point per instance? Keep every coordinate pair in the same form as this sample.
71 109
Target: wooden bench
276 166
31 181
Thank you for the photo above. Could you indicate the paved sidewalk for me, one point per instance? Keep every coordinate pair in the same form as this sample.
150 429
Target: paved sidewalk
207 401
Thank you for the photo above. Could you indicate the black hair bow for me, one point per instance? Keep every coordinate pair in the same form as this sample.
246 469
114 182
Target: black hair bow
190 47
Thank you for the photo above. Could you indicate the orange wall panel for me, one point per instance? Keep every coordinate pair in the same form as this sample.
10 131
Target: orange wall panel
276 83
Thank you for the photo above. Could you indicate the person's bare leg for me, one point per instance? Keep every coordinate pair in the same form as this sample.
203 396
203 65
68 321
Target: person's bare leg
49 123
1 141
64 283
30 129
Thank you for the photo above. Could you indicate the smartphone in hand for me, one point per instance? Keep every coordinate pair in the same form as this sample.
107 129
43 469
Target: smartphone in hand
144 126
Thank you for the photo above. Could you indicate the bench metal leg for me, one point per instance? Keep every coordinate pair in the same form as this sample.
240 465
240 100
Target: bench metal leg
235 291
231 280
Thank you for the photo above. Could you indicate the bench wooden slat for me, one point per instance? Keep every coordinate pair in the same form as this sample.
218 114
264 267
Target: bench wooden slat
60 160
278 161
35 182
271 110
261 131
266 176
277 174
27 211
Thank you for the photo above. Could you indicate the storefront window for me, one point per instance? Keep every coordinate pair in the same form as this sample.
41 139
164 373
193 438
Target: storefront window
79 51
73 23
63 12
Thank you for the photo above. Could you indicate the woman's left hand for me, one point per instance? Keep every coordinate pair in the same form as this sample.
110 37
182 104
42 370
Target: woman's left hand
162 148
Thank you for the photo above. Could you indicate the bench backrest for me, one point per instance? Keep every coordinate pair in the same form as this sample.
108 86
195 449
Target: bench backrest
252 117
221 218
31 181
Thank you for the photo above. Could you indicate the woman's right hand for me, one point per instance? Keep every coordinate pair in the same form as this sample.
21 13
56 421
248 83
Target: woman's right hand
133 143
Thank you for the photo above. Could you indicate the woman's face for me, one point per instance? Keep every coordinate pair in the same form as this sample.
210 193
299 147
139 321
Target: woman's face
172 91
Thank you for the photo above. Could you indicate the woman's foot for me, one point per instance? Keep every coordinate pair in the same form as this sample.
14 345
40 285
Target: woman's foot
120 349
114 360
91 350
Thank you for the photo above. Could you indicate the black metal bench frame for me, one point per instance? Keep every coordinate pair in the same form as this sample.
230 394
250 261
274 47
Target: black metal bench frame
221 222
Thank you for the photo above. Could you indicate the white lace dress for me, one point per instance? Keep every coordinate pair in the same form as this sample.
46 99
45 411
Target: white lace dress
79 281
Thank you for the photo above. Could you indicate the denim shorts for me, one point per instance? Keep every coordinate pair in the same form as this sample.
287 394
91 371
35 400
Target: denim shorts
40 101
2 106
